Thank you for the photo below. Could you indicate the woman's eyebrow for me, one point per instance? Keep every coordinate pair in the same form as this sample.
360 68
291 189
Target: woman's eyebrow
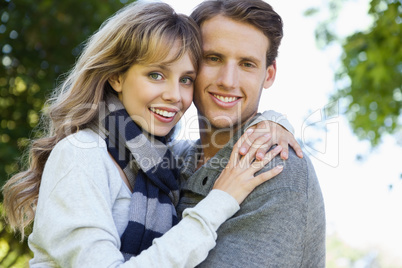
164 67
191 72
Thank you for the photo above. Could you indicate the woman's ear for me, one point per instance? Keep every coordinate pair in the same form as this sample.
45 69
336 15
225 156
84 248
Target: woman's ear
116 82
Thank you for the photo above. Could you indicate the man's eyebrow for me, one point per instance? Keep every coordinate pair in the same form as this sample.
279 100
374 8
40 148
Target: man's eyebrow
211 52
220 55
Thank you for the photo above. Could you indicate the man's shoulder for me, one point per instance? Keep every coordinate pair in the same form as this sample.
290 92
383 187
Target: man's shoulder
296 174
296 186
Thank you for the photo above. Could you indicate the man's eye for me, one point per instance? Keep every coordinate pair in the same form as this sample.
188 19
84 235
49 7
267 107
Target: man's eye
213 58
248 64
155 76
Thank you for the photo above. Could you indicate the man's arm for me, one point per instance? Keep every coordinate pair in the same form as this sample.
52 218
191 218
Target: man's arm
280 224
278 118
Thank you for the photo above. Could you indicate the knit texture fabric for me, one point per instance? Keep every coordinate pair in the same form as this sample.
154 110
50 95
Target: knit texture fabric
155 187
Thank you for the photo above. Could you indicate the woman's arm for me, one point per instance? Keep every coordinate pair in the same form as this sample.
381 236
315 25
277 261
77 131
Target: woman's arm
75 225
268 129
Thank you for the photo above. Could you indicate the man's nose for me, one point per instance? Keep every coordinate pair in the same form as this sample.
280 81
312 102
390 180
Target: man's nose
228 76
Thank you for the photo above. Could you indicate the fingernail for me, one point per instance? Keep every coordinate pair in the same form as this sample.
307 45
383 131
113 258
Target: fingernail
242 150
260 156
249 131
280 167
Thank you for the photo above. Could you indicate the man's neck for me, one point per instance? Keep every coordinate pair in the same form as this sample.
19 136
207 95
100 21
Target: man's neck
213 139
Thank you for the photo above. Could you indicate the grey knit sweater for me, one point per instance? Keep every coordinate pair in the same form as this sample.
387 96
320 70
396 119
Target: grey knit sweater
280 224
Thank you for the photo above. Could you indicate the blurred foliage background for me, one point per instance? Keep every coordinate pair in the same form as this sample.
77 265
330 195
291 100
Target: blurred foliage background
40 40
369 81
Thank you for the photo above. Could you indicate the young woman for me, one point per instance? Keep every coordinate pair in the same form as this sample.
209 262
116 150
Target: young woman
101 186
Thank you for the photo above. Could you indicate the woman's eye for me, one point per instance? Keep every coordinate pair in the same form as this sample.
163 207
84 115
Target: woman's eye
155 76
186 80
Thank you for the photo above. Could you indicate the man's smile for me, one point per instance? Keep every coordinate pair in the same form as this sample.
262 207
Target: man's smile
225 99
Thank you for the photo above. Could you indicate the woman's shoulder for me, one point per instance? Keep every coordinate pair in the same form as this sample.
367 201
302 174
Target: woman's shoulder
85 140
84 149
81 158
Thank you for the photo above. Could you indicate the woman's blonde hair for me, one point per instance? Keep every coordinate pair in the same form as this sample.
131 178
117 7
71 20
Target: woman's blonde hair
140 33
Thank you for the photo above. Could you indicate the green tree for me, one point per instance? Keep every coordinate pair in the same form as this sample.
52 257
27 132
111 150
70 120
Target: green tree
39 41
370 78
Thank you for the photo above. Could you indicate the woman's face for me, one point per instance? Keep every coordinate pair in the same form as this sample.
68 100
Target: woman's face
157 95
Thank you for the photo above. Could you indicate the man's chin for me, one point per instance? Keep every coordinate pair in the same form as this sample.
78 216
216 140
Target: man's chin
219 121
224 125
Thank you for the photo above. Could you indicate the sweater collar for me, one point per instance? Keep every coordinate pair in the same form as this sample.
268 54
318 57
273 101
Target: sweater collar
202 180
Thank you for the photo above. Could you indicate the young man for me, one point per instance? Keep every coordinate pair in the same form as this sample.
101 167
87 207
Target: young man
282 222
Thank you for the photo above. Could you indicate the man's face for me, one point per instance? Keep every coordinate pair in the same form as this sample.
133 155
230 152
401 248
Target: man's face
232 73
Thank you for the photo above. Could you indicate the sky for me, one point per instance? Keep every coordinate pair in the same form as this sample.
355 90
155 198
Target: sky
360 207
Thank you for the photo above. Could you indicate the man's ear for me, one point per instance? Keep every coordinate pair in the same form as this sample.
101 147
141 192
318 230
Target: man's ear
116 82
270 75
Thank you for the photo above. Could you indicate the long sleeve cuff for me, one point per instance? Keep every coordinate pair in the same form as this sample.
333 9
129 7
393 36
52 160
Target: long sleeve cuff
215 208
275 117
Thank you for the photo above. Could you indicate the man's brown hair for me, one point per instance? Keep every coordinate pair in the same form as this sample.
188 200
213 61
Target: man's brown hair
254 12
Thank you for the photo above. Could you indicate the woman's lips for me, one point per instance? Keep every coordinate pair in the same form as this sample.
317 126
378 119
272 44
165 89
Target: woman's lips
164 115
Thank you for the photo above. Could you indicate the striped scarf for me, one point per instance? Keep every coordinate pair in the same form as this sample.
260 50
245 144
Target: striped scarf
155 186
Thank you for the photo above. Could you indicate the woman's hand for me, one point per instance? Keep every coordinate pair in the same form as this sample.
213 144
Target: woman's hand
267 133
237 179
